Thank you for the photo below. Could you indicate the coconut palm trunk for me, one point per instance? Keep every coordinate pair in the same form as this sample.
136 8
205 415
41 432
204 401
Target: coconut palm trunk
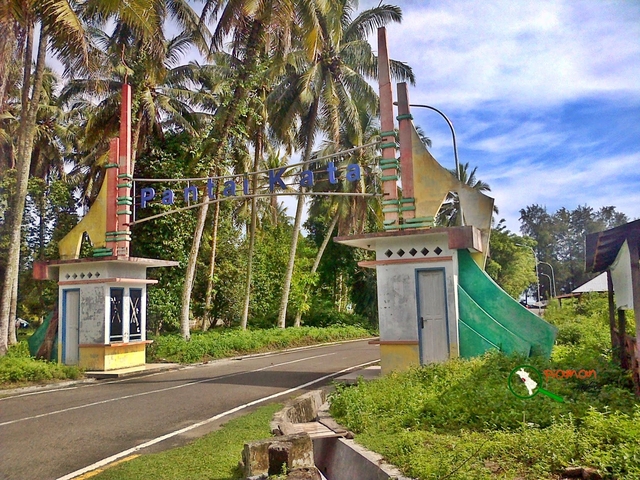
286 287
252 230
23 165
316 262
135 138
239 95
13 338
208 319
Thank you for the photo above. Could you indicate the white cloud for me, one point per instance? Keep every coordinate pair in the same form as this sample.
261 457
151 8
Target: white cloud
526 135
589 181
521 53
520 64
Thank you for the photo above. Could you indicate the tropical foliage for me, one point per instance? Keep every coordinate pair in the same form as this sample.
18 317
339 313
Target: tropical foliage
475 427
560 240
230 88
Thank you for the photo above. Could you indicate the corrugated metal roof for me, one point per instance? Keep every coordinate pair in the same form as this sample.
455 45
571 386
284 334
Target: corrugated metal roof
602 247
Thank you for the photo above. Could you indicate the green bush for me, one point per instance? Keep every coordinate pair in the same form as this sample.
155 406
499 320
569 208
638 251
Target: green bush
18 367
228 342
323 313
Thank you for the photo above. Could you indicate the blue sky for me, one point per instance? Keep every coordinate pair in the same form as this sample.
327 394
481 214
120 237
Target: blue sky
544 96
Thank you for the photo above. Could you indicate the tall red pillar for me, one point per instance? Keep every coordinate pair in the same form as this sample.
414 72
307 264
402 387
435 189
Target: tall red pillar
388 162
407 204
125 176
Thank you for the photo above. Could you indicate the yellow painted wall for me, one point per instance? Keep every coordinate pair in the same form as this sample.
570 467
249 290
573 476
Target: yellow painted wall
91 358
112 357
125 356
398 357
94 223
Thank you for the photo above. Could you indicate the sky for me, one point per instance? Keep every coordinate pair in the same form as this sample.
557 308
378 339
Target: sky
544 96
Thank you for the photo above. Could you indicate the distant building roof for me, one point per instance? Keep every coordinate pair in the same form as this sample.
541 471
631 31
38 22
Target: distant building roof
597 284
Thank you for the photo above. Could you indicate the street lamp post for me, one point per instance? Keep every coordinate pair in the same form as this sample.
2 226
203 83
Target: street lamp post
455 144
553 278
545 275
453 132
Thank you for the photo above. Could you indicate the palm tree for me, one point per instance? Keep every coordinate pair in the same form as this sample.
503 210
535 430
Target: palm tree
328 88
163 95
349 214
423 136
8 51
60 27
449 213
255 28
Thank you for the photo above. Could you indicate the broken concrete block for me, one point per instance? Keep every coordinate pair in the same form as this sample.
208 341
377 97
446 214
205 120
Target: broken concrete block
279 456
266 457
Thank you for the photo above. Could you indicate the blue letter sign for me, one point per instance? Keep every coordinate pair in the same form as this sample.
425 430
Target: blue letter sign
275 179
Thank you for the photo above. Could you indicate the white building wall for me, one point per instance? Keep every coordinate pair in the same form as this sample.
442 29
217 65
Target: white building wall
397 289
95 298
127 270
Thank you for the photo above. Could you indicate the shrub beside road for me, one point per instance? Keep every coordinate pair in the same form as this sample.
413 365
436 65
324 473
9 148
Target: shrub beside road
17 368
225 343
459 420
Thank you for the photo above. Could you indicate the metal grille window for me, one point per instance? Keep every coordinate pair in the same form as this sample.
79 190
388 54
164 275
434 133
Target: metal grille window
116 314
135 314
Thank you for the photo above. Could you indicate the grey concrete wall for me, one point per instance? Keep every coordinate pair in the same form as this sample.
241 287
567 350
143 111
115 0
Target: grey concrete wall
342 459
92 314
396 284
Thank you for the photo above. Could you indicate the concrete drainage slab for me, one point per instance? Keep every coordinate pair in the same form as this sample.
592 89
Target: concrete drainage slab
334 452
344 459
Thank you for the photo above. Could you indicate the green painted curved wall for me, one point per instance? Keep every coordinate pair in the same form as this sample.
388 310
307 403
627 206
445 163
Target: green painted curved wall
489 316
472 343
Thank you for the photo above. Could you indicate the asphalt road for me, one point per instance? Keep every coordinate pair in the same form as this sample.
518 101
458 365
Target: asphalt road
60 433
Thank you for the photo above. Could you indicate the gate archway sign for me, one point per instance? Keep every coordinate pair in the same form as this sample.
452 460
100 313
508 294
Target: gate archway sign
434 299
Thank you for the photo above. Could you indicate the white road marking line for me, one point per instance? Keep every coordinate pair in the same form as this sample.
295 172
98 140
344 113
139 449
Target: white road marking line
175 387
137 448
243 357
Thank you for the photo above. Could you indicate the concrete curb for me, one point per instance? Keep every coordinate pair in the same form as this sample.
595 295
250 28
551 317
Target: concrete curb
337 456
